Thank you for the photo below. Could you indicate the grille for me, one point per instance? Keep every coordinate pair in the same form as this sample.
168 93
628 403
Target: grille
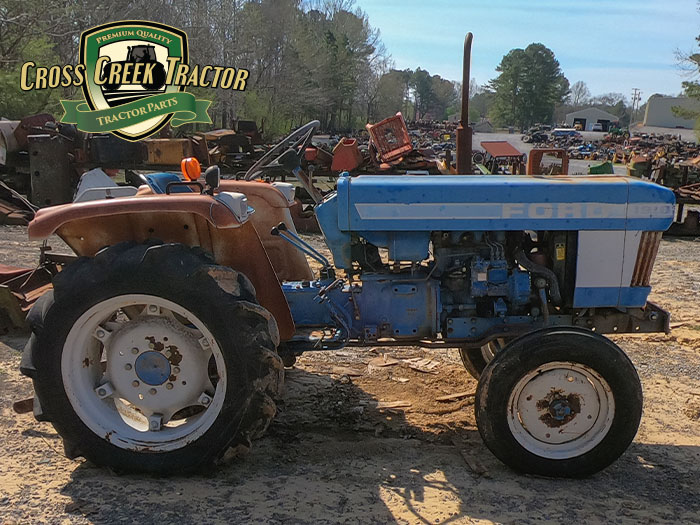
646 255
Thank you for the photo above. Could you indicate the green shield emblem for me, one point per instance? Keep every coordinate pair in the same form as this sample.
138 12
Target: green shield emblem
127 68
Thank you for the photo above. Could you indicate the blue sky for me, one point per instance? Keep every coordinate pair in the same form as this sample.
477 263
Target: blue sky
613 46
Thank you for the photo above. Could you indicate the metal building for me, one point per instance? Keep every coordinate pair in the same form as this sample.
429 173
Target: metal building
659 112
589 116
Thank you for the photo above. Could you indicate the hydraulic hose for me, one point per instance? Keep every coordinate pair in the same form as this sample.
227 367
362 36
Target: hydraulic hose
541 271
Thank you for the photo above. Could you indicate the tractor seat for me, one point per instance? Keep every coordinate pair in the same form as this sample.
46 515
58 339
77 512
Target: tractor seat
96 184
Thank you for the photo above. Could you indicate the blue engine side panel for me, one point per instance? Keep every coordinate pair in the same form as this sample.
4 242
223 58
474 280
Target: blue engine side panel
626 296
384 306
491 202
397 307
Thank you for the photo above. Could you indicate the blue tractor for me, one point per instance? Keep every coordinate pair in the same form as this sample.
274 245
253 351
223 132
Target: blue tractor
162 344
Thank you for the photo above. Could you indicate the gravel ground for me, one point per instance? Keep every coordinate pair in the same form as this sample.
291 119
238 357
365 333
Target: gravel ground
333 456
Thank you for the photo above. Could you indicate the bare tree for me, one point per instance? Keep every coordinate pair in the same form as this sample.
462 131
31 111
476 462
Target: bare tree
474 87
580 94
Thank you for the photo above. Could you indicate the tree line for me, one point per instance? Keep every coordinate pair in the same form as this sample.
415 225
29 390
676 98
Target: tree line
308 59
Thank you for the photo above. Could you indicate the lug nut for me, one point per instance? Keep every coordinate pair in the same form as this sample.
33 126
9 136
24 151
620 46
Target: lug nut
153 308
134 350
151 345
176 370
127 366
100 334
101 392
169 386
135 383
152 391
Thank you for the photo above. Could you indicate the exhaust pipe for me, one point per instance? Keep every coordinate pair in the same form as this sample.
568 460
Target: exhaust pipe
464 132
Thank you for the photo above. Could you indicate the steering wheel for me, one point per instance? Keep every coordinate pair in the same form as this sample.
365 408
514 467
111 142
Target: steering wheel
286 154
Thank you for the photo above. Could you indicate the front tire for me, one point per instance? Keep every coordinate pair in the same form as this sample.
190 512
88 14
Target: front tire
561 402
151 358
476 359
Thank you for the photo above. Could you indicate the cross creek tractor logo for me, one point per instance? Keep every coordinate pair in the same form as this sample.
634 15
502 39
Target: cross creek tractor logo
133 76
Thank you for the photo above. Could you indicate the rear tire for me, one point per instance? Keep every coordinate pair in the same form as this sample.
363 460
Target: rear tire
151 358
561 402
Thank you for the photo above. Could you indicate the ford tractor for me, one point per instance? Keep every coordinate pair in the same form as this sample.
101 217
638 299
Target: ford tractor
162 344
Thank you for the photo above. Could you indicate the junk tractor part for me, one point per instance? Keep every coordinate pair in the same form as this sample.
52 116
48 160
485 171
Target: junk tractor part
162 344
142 54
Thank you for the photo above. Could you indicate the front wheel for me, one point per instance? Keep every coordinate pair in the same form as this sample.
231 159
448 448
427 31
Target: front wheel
562 402
153 359
476 359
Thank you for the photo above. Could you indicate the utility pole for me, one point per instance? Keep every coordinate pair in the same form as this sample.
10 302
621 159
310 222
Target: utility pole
636 99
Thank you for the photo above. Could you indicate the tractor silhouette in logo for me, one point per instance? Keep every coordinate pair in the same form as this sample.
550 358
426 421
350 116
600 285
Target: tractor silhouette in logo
144 54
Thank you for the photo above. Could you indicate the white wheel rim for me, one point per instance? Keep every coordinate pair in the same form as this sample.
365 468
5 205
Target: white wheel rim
560 410
137 370
490 349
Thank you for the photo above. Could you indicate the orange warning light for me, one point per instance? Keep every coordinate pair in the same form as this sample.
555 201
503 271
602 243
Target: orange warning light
191 168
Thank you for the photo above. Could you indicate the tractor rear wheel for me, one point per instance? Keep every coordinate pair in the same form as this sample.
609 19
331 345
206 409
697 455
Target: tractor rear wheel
151 358
562 402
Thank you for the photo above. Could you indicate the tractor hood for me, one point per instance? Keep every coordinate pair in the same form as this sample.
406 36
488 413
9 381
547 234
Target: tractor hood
491 202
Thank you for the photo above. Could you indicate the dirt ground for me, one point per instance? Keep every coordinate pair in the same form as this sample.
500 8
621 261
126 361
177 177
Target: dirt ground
361 437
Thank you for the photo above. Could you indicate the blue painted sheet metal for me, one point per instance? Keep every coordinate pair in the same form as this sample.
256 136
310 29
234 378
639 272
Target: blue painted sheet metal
614 296
304 305
492 202
337 239
343 188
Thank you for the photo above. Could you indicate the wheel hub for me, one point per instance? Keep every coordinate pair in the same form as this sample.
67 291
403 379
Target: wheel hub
560 409
157 365
153 368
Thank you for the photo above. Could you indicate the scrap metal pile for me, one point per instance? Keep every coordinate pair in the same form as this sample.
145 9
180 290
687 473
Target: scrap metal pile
384 147
618 146
43 159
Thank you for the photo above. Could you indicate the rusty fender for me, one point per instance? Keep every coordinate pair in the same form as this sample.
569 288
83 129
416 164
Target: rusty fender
189 219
